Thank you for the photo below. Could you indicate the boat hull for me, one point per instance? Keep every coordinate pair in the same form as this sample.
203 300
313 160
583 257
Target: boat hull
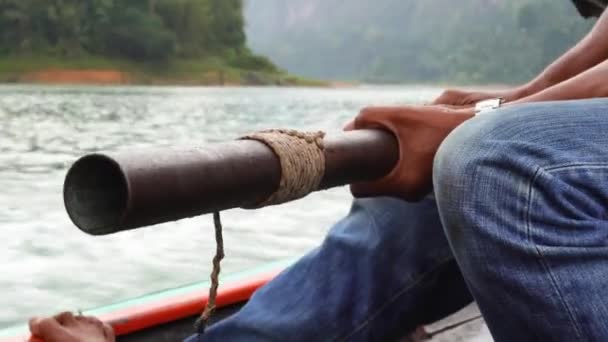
177 330
170 315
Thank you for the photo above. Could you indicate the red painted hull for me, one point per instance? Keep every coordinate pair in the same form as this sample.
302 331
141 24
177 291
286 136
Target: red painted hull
155 313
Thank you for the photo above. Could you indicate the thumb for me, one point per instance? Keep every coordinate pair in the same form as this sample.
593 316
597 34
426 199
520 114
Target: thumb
375 117
349 126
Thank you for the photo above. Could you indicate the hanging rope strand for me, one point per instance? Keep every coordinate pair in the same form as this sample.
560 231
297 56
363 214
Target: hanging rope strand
302 168
203 320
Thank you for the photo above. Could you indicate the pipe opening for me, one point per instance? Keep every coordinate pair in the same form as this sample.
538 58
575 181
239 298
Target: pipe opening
95 194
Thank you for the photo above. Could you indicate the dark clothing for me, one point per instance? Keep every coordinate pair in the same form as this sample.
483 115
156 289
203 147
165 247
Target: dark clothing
590 8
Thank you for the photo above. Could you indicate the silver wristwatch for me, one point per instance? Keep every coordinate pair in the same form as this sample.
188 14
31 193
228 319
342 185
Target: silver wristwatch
488 105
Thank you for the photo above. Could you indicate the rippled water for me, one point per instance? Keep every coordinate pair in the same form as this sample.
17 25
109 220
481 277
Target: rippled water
47 264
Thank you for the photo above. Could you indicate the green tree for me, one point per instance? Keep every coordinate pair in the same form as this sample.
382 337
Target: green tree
140 36
16 24
192 21
141 30
228 23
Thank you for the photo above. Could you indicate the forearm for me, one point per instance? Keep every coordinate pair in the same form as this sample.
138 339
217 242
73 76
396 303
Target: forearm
589 52
589 84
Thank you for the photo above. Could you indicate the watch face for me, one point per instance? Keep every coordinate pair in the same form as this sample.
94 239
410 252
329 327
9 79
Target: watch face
488 105
492 103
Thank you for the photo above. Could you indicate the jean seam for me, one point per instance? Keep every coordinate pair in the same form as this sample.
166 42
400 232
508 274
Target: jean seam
394 298
572 166
541 258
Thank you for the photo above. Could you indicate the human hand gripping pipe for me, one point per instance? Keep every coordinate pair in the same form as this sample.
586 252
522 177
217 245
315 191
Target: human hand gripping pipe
105 193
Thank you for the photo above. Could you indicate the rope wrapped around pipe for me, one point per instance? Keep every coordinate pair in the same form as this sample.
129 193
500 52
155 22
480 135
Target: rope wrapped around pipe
302 163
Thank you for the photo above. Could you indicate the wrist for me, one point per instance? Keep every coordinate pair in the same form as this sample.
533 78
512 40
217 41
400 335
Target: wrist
519 93
535 86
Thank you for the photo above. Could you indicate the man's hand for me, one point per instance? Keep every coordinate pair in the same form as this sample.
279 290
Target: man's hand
461 98
419 130
65 327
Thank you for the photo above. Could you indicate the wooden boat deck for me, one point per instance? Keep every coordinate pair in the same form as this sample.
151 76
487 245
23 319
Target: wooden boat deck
475 331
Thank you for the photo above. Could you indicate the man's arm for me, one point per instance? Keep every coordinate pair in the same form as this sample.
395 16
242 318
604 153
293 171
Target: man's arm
587 53
589 84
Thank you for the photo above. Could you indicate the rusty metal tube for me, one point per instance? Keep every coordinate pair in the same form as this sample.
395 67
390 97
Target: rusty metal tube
108 193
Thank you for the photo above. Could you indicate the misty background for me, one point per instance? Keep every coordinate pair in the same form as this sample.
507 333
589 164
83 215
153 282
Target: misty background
414 41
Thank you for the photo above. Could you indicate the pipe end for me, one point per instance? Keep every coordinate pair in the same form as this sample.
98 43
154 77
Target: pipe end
95 194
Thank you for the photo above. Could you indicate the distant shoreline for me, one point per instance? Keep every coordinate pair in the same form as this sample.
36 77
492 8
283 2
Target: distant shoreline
118 77
93 70
220 77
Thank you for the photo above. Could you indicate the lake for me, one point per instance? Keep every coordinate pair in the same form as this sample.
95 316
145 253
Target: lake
49 265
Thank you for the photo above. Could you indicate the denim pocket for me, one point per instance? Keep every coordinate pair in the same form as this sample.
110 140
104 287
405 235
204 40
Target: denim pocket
568 206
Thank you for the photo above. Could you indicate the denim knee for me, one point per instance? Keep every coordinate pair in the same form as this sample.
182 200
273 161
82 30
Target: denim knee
481 171
466 156
491 158
519 193
480 174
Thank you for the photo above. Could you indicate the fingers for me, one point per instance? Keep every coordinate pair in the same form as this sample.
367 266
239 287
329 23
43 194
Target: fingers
456 98
371 117
375 117
90 320
392 186
34 325
448 97
47 328
107 329
42 327
378 118
108 332
370 113
65 318
372 189
455 107
67 327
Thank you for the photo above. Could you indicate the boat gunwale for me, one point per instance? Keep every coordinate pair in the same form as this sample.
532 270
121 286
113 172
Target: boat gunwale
169 305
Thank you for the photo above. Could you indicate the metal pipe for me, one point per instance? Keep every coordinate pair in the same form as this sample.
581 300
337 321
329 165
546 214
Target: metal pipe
111 192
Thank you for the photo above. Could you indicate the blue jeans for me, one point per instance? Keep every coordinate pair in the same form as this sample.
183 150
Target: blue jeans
518 223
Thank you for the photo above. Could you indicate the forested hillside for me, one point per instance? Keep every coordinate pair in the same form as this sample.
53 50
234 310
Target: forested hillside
171 38
465 41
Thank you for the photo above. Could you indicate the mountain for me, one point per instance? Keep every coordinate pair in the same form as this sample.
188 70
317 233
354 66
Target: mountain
466 41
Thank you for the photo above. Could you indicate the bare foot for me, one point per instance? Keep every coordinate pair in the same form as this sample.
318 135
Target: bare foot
65 327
